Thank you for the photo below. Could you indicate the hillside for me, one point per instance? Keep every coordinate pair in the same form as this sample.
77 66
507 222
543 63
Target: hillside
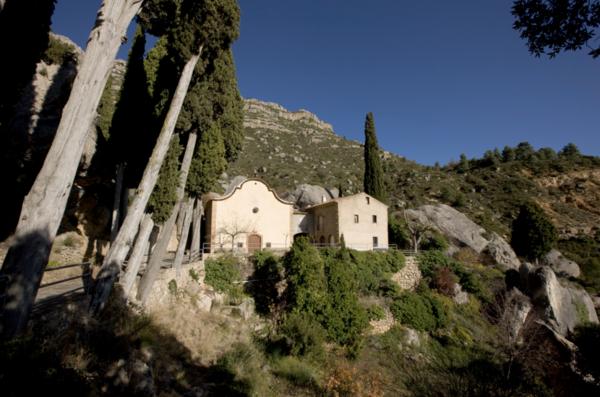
288 148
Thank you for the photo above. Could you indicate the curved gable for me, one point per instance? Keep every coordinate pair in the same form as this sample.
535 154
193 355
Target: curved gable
241 185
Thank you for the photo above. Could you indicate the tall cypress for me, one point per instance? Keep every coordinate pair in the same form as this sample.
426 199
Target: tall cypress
133 115
208 163
373 179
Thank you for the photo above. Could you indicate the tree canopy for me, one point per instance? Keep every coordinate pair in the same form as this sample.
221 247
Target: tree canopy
533 234
550 27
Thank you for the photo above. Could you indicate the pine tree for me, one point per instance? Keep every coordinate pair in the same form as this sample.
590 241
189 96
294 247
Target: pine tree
373 178
533 235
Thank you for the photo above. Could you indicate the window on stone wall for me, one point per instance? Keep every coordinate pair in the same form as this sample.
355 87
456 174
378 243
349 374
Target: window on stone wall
240 245
368 200
375 241
355 218
374 218
268 245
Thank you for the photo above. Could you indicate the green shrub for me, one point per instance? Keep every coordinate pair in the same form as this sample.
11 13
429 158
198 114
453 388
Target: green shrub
242 366
172 287
58 52
267 275
194 275
296 371
223 274
302 335
375 312
421 312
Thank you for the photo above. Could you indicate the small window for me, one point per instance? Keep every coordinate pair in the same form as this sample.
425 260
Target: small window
375 242
374 218
368 200
240 245
268 245
255 210
355 218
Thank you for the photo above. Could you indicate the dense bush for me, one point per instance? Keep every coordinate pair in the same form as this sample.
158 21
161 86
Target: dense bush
444 281
264 281
423 312
301 335
585 251
587 339
223 274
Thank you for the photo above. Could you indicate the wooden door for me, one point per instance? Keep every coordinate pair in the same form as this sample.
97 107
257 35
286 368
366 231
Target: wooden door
254 243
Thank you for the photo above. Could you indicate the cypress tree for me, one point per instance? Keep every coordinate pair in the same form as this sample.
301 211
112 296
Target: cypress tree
373 178
533 235
208 163
164 195
133 115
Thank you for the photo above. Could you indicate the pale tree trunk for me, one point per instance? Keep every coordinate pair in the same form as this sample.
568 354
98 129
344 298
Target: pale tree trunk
180 221
114 227
137 254
196 222
187 220
111 266
158 253
44 205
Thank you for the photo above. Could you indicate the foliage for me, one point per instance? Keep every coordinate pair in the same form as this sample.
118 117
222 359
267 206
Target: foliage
263 284
345 380
421 312
398 233
533 235
302 335
585 251
164 196
243 363
298 372
132 119
59 52
375 312
554 26
444 281
208 162
194 275
373 178
223 273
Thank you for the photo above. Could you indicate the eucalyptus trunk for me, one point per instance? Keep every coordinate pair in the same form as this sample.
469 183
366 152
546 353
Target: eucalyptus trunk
116 213
159 251
196 231
111 266
137 255
44 205
187 220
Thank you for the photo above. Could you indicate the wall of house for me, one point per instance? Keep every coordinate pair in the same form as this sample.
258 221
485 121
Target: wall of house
250 209
327 232
360 235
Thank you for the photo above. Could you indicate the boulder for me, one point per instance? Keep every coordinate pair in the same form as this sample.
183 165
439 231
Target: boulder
564 307
501 253
560 264
517 308
306 195
453 224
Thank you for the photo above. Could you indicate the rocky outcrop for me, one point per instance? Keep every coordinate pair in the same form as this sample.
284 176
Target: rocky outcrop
500 252
453 224
517 307
461 231
560 264
459 296
563 306
306 195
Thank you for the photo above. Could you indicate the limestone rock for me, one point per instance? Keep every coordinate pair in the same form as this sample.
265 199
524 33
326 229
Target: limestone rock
500 252
306 195
459 296
453 224
560 264
517 308
565 307
412 337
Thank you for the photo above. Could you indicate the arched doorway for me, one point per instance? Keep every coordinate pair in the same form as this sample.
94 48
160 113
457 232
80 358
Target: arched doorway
322 241
254 243
332 240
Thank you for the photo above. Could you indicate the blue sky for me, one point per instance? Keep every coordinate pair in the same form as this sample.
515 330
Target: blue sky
442 78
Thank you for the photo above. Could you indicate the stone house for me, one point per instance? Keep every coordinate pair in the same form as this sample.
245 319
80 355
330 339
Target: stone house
251 216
